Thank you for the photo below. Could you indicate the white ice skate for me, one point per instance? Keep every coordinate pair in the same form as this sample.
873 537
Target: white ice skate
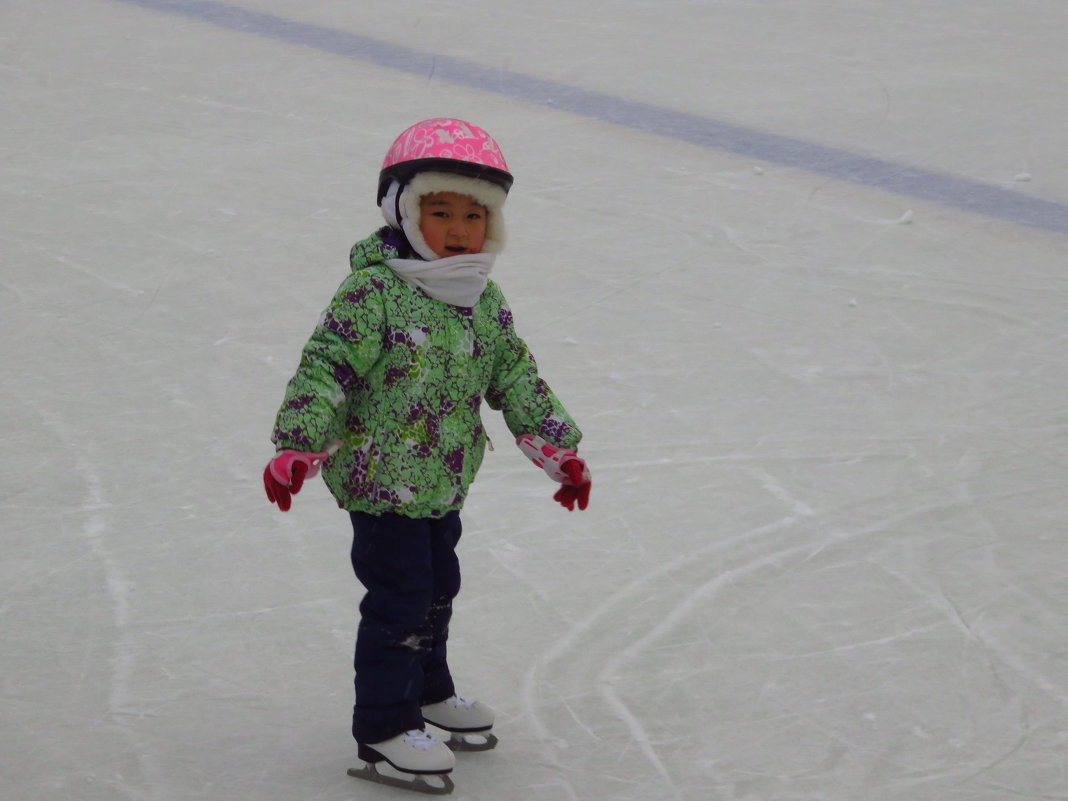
468 723
414 760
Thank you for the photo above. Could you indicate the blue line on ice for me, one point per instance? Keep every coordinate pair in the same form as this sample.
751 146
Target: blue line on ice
902 179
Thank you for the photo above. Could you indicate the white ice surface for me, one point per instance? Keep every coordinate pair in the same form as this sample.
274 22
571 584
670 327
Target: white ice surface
827 550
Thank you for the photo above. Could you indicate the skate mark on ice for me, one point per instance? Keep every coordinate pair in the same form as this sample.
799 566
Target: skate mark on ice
974 631
571 640
574 639
607 679
682 612
899 178
95 527
776 489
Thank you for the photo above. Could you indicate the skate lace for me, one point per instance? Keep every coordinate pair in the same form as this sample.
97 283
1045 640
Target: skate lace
458 702
420 739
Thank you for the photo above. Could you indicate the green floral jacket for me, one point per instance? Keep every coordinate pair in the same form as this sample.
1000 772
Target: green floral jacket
399 379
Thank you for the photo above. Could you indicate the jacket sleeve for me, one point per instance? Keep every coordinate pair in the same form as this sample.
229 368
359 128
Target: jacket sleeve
526 400
346 342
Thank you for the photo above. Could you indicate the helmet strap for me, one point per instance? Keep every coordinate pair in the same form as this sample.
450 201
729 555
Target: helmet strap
391 205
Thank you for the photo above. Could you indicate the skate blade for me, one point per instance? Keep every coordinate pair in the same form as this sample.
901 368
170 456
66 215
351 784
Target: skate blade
428 783
471 741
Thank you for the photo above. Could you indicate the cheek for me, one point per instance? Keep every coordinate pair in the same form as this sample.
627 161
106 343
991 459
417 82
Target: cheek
479 233
429 230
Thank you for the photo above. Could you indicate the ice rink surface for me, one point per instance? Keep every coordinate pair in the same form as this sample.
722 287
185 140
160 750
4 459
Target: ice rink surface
828 423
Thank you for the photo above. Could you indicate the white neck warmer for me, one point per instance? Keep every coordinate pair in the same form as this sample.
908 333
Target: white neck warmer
459 280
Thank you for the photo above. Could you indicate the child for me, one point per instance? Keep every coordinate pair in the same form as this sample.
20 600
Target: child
387 401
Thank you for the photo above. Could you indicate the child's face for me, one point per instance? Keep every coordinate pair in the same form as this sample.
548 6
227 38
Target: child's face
452 224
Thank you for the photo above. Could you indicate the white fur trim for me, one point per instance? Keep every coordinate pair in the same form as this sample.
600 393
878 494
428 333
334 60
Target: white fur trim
427 183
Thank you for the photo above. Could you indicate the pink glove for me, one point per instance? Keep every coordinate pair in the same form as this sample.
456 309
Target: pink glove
562 465
285 473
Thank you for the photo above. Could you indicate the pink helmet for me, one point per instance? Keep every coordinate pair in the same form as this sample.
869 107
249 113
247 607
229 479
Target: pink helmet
444 145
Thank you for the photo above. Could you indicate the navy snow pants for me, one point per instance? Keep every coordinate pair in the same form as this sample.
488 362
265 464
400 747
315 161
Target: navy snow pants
411 573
